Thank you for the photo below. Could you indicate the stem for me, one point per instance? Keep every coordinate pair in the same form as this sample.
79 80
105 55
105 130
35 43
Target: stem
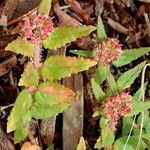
142 119
37 56
143 97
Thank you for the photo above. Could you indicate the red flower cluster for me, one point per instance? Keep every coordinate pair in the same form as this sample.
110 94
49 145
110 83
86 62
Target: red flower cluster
109 50
36 28
116 106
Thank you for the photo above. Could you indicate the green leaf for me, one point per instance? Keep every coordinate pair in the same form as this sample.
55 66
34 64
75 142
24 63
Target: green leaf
130 55
97 91
112 85
44 7
127 78
137 94
102 73
66 34
146 136
20 113
59 66
21 46
20 134
145 118
30 76
50 147
101 30
41 112
84 53
107 135
50 93
119 144
138 107
147 128
81 145
127 123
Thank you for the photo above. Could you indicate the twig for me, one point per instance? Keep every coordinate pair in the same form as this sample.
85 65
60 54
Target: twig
13 21
5 107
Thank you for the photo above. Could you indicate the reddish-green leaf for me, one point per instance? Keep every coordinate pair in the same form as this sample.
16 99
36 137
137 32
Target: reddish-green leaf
30 76
50 93
59 66
66 34
20 113
21 46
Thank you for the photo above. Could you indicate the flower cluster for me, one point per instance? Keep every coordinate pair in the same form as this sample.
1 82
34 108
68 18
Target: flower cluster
107 51
36 28
116 106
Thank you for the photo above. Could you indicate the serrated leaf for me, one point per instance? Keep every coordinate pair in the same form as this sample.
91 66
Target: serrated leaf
97 91
132 144
30 76
138 107
59 66
113 88
40 112
50 93
81 145
84 53
127 78
107 135
102 73
20 134
137 94
21 46
20 113
44 7
130 55
101 30
66 34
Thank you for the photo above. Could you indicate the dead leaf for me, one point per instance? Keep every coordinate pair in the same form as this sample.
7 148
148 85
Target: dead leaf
117 26
29 146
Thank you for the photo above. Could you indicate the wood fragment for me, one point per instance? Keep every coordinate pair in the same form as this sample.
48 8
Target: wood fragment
147 23
5 143
145 1
75 6
7 65
65 19
73 118
117 26
99 7
9 7
47 130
